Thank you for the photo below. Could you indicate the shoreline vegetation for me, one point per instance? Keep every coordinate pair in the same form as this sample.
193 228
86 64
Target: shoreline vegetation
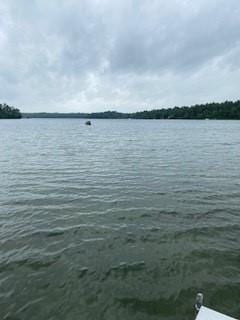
7 112
227 110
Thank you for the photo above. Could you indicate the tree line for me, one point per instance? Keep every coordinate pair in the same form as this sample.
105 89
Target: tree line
7 112
225 110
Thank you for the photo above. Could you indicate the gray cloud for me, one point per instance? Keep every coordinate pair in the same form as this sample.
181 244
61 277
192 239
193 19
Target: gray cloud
93 55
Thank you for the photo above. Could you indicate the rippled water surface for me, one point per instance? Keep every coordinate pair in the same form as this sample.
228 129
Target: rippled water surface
121 220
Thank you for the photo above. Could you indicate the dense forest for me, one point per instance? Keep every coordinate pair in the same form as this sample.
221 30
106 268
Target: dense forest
225 110
7 112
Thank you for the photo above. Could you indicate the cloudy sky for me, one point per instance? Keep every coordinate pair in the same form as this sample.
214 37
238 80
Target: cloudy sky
125 55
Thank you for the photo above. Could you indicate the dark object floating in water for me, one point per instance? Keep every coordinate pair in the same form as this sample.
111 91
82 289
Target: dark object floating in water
88 123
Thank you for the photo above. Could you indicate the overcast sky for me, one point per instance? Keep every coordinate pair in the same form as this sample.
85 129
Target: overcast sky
125 55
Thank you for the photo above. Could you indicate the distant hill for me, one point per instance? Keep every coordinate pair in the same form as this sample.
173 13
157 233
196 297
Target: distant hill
225 110
7 112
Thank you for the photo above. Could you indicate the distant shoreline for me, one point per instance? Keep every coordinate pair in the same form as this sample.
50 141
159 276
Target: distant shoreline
227 110
102 118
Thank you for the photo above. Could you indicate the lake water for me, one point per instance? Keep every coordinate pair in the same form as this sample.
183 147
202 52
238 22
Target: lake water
126 219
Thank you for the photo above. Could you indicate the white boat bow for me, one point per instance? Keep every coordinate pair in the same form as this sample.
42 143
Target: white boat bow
209 314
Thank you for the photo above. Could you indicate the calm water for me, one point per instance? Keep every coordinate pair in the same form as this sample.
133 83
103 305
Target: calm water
122 220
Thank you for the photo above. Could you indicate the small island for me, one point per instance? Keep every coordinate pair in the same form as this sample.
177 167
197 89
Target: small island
7 112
